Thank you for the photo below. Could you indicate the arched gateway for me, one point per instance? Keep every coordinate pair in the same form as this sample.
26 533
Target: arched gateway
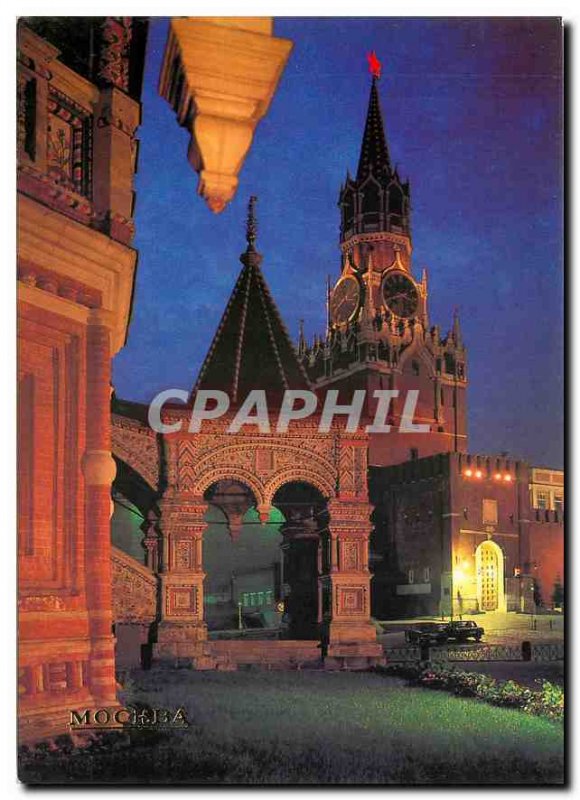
489 564
252 350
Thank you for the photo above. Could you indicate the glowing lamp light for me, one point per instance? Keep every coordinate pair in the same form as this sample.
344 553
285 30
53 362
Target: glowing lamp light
507 477
497 476
478 473
468 473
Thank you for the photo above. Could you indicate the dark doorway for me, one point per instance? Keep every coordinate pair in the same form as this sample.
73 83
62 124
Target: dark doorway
305 534
242 562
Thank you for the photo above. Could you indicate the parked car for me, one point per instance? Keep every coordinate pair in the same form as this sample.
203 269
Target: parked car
427 633
461 631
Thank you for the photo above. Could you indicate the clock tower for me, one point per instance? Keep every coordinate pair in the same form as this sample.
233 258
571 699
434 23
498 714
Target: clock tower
378 333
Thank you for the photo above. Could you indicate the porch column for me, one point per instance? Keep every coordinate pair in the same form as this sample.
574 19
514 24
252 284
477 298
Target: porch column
181 631
151 541
347 627
301 570
99 470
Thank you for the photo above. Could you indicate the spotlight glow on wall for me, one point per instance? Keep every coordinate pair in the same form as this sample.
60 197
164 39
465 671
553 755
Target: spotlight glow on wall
458 575
478 473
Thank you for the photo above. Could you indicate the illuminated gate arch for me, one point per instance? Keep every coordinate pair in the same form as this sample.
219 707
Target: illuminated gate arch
490 569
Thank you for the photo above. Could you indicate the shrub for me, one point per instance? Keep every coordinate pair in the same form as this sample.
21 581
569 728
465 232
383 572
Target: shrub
546 702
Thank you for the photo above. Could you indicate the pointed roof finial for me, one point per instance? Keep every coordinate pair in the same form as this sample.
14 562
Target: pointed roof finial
251 256
456 331
301 338
328 292
251 224
398 262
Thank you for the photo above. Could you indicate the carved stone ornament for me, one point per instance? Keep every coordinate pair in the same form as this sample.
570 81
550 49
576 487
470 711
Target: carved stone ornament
219 75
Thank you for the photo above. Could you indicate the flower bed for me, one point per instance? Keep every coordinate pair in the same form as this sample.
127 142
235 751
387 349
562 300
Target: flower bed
546 702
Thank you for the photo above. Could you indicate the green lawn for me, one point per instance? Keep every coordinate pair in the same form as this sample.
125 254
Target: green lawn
316 728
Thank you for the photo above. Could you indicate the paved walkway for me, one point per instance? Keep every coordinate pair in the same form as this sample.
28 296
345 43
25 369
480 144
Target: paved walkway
499 628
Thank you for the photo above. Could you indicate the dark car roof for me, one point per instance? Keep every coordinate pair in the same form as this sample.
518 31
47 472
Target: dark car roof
427 626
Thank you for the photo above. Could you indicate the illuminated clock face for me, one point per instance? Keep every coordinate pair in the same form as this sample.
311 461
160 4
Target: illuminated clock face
345 299
400 294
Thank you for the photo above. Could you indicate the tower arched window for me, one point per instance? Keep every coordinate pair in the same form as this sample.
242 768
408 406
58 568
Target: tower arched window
396 201
449 364
348 210
371 198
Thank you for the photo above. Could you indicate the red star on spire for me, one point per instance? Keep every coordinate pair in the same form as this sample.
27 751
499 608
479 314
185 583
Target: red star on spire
374 64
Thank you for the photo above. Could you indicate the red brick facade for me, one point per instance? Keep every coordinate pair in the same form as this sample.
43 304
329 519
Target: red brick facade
456 532
547 552
75 280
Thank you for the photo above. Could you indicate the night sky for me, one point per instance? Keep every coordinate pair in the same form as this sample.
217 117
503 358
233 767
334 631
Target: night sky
472 111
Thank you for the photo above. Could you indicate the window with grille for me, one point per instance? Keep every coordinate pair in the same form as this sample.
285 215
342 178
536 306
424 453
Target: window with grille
543 499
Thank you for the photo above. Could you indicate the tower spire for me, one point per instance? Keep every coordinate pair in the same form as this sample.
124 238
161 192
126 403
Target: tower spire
376 200
374 153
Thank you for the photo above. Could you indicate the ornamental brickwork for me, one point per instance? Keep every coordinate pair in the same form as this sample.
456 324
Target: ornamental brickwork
335 464
76 145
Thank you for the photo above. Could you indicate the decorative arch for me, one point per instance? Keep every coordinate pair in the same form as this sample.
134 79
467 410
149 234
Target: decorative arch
289 462
204 481
137 447
334 467
133 485
490 575
319 481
